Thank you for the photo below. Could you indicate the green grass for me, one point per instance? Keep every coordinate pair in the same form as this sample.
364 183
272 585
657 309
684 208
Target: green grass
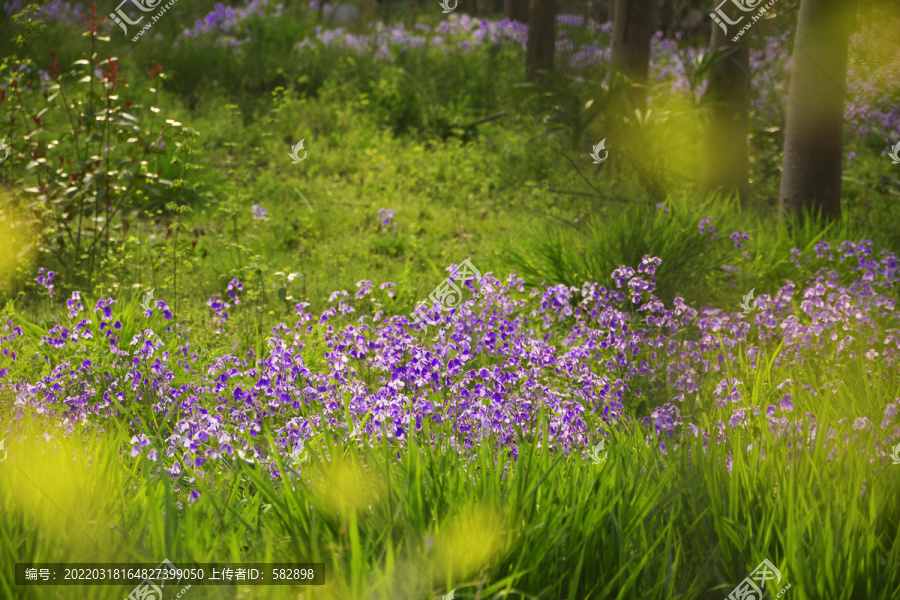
544 526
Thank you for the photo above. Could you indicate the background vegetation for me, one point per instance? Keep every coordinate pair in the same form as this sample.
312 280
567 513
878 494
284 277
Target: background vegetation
164 164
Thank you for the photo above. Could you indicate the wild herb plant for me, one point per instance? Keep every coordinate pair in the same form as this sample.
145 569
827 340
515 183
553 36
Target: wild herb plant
91 159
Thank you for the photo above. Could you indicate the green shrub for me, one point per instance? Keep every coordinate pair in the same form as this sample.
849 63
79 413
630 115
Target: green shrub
87 150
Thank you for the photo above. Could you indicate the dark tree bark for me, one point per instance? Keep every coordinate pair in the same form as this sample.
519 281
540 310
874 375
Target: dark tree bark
726 163
516 10
412 9
630 53
541 43
813 137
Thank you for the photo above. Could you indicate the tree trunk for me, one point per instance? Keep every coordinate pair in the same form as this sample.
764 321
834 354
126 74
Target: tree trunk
368 9
813 137
516 10
726 164
541 43
412 10
630 52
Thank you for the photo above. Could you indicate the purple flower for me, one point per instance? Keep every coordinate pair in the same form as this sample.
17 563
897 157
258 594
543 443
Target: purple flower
365 287
165 308
74 304
485 370
385 217
259 213
219 307
737 237
46 280
105 305
786 403
234 286
705 225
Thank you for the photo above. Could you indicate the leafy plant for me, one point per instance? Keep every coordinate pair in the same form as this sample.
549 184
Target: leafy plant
571 105
691 251
90 158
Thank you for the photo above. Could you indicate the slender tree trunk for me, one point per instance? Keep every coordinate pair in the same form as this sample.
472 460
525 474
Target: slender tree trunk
413 12
541 43
813 137
516 10
368 9
630 53
726 164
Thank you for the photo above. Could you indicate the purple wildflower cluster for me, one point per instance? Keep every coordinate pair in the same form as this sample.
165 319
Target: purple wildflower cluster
385 218
738 237
219 306
234 286
504 365
223 26
874 105
578 48
456 34
874 76
55 11
873 108
706 226
74 305
46 280
463 33
259 213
